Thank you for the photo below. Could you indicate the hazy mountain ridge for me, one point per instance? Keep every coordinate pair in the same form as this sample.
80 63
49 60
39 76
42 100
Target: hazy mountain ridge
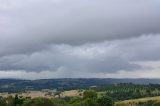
14 85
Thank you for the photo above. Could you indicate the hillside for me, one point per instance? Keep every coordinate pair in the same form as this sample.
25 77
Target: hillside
15 85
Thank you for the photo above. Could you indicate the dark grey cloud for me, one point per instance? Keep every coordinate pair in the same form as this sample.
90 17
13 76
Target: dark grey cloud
78 36
30 25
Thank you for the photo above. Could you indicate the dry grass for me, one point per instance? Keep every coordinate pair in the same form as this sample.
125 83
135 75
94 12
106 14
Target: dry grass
125 102
32 94
70 93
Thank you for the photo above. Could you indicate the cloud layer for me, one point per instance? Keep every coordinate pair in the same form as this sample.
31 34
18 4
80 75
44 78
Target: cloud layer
79 37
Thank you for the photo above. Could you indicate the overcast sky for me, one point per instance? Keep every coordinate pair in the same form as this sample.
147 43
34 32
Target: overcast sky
79 39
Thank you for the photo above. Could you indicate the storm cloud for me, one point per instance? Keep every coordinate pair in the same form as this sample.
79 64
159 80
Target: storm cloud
79 36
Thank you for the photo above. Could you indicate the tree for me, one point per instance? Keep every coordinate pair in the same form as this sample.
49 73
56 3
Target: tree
90 94
16 100
38 102
10 101
2 101
105 101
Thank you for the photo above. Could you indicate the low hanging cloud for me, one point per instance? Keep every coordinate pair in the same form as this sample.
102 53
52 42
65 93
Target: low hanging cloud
66 57
74 36
109 56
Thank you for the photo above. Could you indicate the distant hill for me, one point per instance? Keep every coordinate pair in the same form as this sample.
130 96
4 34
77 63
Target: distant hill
15 85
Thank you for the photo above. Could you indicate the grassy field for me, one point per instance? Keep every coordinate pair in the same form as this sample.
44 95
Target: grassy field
135 101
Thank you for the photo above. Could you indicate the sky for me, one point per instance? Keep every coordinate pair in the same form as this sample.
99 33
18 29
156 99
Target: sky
41 39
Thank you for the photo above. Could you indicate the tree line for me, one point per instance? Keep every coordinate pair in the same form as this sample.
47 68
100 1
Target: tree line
89 98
